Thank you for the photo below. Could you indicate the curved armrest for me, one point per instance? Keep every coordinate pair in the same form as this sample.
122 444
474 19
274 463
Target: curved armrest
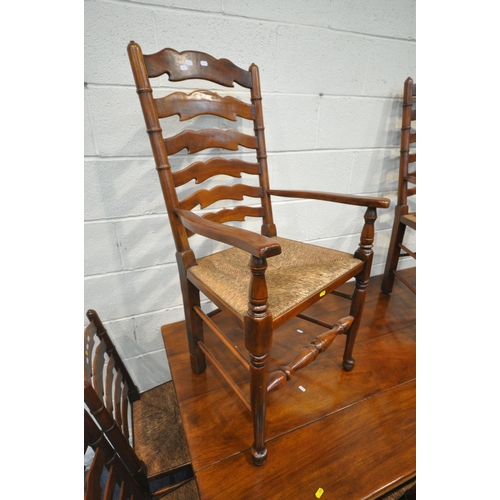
349 199
256 244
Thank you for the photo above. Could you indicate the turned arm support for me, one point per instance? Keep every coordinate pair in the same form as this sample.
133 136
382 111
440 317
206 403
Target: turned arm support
255 244
307 354
348 199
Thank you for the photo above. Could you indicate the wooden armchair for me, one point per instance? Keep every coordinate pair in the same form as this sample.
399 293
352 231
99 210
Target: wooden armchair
139 436
407 186
261 280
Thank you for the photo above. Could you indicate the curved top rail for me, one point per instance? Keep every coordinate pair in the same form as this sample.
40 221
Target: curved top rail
191 64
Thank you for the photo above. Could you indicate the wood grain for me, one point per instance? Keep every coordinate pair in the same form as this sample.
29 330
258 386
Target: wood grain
352 434
192 64
206 197
203 170
195 141
262 328
347 460
203 102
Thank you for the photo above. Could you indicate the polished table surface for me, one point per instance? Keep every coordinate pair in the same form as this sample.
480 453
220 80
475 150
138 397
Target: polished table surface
350 433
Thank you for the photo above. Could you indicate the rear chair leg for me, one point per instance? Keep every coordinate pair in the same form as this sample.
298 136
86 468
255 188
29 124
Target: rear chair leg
194 327
194 324
394 252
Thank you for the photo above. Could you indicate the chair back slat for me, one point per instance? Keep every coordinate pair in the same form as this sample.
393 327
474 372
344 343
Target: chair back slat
203 170
125 493
203 102
198 140
234 214
93 490
206 197
238 213
89 343
192 64
110 378
98 375
111 484
117 398
124 406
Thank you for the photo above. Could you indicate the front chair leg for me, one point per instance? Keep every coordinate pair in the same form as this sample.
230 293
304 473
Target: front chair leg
357 305
258 396
364 253
258 340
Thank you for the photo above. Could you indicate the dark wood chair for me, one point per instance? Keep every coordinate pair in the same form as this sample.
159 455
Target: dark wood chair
262 280
107 473
407 186
141 435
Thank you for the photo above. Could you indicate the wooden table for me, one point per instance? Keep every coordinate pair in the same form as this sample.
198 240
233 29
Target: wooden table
353 436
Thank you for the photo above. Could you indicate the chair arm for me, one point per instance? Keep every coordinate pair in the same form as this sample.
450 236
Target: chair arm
349 199
255 244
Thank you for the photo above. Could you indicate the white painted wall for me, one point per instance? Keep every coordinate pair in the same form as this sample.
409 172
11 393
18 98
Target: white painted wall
332 74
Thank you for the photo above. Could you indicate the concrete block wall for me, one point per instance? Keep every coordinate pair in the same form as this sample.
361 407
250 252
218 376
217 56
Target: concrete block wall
332 73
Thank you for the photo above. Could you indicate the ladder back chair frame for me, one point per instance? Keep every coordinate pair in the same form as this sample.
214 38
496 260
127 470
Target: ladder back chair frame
105 457
112 398
407 187
256 310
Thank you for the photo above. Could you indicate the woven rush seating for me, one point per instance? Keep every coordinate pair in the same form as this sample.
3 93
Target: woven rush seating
301 271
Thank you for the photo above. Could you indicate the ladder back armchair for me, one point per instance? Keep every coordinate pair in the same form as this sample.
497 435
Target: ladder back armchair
262 280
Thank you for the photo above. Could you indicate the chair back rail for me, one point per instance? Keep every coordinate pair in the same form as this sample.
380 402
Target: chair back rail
106 373
407 187
408 138
223 167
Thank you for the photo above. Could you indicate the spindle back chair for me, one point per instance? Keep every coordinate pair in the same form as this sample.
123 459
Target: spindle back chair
262 280
407 187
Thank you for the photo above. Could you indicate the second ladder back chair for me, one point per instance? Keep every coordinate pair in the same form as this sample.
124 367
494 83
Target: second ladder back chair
262 280
144 430
407 187
107 472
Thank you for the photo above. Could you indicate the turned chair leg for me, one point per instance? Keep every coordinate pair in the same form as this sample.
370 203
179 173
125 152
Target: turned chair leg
258 396
258 341
364 253
357 305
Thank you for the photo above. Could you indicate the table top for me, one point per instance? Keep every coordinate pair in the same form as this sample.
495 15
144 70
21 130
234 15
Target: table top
350 433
